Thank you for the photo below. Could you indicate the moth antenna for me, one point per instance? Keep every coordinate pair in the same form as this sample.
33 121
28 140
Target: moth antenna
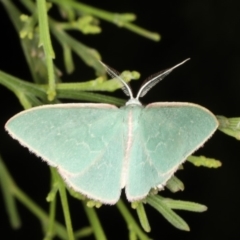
156 78
115 74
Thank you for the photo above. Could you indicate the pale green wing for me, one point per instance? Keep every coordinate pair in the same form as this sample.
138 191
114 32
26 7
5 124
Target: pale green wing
167 134
83 141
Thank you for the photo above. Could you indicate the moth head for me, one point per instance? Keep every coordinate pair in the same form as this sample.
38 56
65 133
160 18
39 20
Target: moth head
150 82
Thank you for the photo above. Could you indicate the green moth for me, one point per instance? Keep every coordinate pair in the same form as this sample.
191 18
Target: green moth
99 149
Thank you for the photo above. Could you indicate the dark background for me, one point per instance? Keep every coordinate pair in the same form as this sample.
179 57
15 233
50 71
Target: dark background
208 32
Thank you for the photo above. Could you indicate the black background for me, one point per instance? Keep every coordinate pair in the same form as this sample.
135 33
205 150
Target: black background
208 32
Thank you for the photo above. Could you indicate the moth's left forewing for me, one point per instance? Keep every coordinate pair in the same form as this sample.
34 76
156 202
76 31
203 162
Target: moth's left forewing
181 128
